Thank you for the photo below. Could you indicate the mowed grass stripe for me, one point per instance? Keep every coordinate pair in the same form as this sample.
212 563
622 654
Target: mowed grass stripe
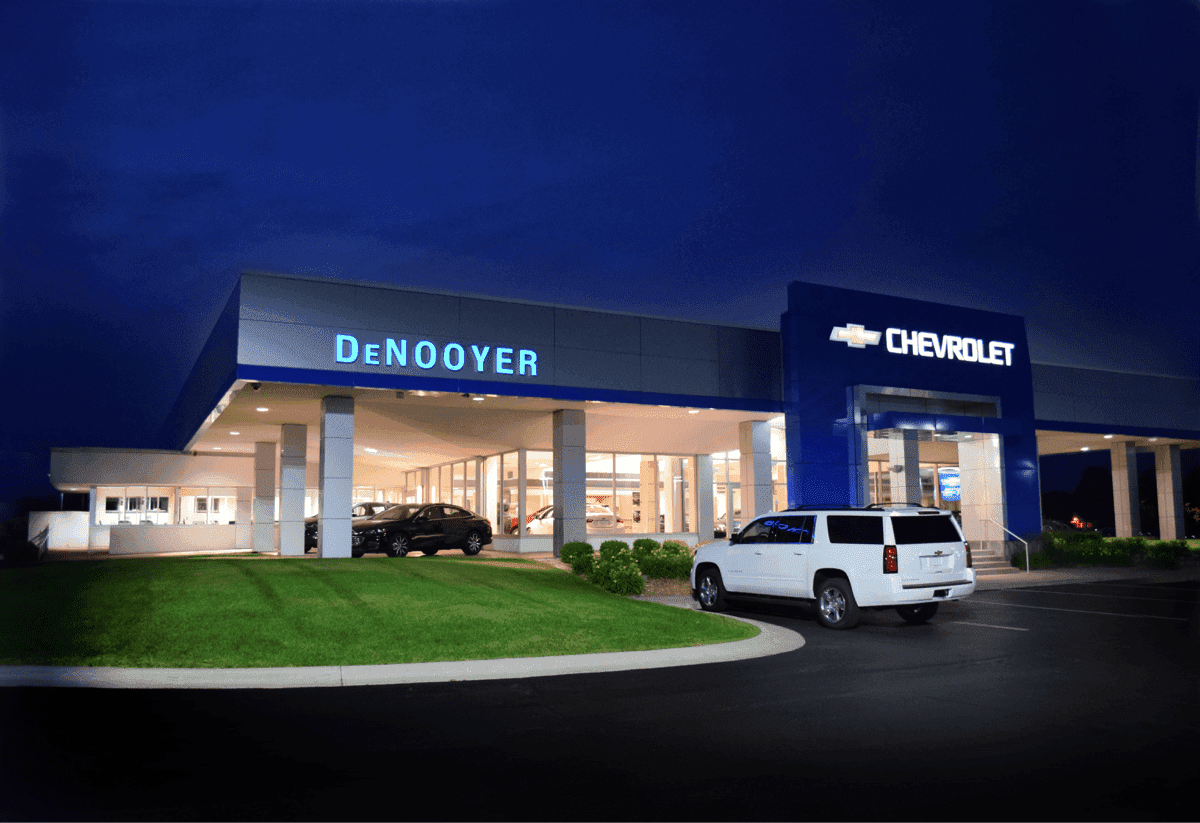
251 612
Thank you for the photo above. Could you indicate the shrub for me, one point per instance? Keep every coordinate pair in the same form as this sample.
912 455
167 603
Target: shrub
642 548
1064 549
1165 554
610 547
572 550
671 561
581 557
617 572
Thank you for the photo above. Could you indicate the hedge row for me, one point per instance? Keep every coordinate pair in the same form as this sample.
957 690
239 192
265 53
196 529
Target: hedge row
620 570
1061 549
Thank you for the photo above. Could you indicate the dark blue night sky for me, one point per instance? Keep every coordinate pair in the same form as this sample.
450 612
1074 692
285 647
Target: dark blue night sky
685 159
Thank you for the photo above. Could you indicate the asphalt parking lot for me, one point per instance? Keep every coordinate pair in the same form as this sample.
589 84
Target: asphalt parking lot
1068 701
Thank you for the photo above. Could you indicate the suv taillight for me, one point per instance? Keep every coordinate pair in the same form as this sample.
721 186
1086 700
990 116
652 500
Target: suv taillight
968 545
890 563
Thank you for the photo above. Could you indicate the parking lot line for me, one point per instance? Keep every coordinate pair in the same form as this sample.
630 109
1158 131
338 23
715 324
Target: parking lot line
1109 596
989 626
1079 611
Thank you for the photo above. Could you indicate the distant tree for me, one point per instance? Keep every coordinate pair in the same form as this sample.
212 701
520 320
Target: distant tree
1057 506
1092 499
1148 500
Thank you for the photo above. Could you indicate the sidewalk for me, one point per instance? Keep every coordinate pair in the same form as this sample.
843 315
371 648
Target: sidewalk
1087 574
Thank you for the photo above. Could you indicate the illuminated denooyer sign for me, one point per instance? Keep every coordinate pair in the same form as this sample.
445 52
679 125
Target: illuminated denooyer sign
426 354
927 344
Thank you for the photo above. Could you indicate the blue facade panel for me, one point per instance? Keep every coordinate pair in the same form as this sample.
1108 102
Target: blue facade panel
836 339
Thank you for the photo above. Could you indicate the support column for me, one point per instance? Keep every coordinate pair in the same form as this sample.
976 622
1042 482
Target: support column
906 482
336 476
570 479
264 497
981 475
92 536
673 496
1169 478
522 488
648 497
702 492
293 468
243 530
754 439
1125 489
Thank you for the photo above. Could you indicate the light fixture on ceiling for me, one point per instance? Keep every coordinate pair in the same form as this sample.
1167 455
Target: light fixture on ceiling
1108 437
262 408
369 449
1086 449
235 434
216 448
693 411
478 398
1153 439
256 386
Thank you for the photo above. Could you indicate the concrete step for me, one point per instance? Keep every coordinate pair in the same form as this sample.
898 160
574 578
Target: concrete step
991 571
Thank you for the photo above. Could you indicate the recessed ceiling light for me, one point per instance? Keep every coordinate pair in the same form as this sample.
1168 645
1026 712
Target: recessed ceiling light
262 408
1086 448
369 449
1108 437
477 399
216 448
693 411
235 434
1153 439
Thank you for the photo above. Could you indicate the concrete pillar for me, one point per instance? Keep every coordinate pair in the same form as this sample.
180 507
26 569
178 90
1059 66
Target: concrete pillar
648 497
93 543
1169 477
522 483
702 491
1125 489
981 474
754 438
904 453
672 494
570 478
293 468
243 530
264 497
336 474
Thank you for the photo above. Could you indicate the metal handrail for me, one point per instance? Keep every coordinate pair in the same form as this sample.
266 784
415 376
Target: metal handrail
990 520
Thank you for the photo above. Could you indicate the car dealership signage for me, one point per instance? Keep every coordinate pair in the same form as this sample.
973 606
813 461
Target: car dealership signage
927 344
425 354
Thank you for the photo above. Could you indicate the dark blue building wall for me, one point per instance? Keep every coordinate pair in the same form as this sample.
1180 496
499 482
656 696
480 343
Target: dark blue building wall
215 371
823 436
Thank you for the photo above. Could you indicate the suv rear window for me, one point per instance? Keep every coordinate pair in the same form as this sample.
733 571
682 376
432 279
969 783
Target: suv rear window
855 528
924 530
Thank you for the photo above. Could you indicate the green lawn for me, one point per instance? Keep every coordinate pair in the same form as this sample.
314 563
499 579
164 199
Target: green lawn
234 612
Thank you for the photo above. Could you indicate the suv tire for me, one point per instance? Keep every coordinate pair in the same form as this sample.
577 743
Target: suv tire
836 608
710 591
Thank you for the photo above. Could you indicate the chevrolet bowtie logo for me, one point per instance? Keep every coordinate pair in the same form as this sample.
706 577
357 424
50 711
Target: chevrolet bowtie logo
856 337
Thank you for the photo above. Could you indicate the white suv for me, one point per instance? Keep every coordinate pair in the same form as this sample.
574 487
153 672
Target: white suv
905 558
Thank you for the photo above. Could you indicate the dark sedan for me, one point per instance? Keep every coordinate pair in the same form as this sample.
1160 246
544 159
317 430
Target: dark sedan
425 528
361 511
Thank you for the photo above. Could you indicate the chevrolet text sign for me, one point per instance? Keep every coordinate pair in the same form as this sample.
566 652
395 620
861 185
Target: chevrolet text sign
927 344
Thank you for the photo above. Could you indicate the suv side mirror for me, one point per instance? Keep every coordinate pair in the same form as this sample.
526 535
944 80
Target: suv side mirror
735 538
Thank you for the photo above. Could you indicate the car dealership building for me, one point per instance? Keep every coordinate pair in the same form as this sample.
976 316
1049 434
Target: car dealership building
312 395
